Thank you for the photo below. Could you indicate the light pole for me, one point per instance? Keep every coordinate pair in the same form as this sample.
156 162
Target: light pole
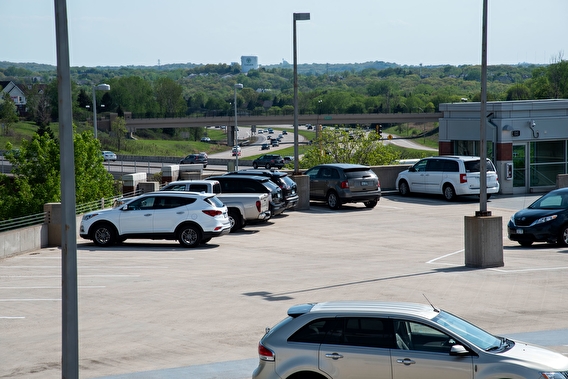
100 87
237 86
301 17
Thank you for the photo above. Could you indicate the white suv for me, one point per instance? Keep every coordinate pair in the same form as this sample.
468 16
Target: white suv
190 218
450 176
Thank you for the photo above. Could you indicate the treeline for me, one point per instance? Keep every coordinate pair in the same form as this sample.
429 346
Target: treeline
195 90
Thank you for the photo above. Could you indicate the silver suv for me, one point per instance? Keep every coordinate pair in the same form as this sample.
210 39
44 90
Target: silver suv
362 340
190 218
339 183
450 176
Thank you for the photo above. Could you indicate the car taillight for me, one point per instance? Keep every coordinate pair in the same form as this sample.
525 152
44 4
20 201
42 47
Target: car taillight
344 184
258 205
212 212
463 178
264 353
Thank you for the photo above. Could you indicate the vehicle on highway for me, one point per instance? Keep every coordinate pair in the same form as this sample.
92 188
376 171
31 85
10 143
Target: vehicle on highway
236 151
371 339
199 158
545 220
265 146
241 207
188 217
268 161
450 176
275 143
340 183
109 156
287 185
288 159
253 184
284 132
205 139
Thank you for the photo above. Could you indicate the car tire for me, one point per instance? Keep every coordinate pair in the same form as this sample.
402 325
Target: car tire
563 236
255 166
333 200
371 203
189 235
267 166
236 220
104 234
449 192
525 243
403 188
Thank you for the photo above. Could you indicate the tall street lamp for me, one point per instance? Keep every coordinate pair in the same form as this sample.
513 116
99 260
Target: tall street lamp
237 86
100 87
297 17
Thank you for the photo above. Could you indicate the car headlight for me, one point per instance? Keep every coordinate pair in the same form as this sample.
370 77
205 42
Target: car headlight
544 219
89 216
553 375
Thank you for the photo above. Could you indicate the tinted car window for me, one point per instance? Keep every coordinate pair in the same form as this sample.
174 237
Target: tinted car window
421 166
214 200
174 187
314 331
473 166
352 174
451 166
435 165
361 331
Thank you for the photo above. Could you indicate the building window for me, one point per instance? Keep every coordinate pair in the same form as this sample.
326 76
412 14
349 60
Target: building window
547 160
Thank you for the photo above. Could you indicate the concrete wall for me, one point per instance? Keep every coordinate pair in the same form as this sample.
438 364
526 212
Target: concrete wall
23 240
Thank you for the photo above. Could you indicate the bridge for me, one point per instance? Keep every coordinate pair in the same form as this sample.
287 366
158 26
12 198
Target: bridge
133 124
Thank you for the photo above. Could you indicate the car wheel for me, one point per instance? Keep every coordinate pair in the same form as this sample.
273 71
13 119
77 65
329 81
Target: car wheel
449 192
403 188
255 166
189 235
267 166
525 243
371 203
333 200
563 236
236 220
104 234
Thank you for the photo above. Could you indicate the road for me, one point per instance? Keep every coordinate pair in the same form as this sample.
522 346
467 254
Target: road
151 309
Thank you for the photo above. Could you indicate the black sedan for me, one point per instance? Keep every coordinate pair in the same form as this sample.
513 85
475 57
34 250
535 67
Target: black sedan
545 220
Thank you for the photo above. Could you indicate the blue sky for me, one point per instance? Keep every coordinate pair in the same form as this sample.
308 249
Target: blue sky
406 32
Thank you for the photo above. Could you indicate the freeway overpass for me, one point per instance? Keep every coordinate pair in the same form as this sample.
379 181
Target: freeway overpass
132 124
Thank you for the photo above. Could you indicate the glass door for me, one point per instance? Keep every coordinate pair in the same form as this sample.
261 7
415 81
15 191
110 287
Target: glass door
519 168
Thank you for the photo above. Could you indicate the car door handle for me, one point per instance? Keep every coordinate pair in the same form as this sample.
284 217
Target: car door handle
406 361
148 214
334 356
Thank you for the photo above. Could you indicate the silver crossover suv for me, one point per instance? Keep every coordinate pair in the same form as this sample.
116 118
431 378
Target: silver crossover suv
362 340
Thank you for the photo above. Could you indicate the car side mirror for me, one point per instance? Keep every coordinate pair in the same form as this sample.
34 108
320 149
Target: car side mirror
412 169
458 350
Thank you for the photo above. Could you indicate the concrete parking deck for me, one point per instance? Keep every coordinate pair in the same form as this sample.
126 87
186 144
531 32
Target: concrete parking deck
151 309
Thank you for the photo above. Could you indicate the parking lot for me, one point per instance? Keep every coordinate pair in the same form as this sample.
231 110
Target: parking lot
154 307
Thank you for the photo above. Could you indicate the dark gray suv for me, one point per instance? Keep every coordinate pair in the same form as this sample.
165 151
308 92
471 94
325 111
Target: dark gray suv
339 183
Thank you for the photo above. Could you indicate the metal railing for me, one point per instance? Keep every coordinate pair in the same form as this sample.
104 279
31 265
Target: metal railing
40 218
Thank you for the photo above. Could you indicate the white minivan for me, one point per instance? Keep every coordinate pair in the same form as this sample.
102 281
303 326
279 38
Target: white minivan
450 176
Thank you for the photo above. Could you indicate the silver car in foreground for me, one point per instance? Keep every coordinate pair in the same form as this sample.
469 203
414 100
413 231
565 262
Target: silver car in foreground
362 340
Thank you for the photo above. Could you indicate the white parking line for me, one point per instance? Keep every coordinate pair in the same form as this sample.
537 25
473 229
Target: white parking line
7 300
80 276
431 261
47 288
88 267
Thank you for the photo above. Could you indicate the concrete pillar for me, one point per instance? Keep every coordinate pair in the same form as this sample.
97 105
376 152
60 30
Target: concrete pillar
303 182
53 221
483 241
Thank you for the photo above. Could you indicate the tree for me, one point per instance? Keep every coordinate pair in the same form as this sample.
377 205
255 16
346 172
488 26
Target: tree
518 91
169 97
8 113
119 128
356 147
36 170
39 105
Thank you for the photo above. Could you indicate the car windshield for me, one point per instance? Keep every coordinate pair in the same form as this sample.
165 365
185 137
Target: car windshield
552 200
467 331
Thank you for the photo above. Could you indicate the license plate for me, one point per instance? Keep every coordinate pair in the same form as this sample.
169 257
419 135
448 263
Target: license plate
364 183
519 231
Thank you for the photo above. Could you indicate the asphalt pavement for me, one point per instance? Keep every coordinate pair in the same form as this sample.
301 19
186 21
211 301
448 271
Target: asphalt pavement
151 309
